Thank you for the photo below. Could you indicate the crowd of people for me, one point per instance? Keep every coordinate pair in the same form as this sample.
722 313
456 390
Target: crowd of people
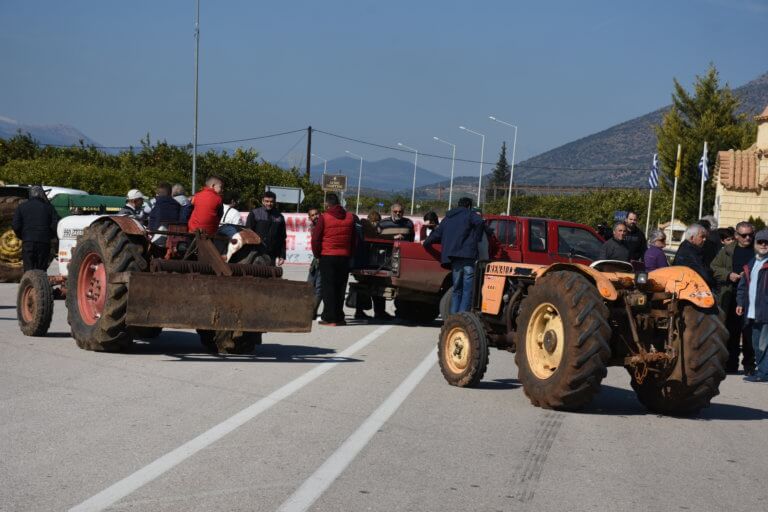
733 261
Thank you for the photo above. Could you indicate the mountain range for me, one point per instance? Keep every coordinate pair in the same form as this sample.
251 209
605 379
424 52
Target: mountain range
612 155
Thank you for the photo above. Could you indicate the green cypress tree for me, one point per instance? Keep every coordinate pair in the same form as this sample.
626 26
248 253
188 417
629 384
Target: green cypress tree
707 114
500 176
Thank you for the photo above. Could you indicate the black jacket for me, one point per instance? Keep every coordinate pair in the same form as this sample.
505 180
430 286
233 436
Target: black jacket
614 250
460 234
166 209
692 256
35 220
635 241
389 228
270 226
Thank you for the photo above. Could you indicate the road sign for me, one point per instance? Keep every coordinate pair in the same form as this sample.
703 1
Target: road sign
290 195
334 183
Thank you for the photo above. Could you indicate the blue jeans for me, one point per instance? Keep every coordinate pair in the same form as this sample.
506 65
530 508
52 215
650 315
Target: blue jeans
463 270
760 344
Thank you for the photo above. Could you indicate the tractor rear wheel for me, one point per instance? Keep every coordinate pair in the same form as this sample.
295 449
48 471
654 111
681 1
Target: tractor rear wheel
229 342
462 350
11 266
96 308
562 345
34 303
701 364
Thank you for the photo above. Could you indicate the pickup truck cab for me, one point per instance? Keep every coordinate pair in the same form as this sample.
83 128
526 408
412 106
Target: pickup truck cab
413 277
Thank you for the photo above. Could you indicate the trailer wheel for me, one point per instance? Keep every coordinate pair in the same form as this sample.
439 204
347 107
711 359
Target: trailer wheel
96 308
414 311
34 303
562 346
11 266
229 342
445 303
701 363
463 350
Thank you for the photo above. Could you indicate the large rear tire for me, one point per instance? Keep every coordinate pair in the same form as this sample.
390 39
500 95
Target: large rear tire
562 345
701 363
11 266
229 342
463 350
34 303
96 308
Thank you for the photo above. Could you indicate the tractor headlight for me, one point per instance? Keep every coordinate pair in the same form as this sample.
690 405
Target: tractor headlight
641 277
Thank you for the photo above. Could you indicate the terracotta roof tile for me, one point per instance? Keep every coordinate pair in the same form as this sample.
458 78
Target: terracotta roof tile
738 170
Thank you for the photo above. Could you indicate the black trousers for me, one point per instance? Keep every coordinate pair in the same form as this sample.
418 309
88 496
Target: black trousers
35 255
334 273
739 341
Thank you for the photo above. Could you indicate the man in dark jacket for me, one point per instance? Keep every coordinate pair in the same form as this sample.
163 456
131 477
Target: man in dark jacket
34 223
615 248
728 268
396 226
752 304
460 234
333 242
166 208
269 224
690 254
634 239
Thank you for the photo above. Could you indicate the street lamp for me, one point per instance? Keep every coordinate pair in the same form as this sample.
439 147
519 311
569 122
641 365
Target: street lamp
512 171
453 160
359 181
482 150
325 162
415 164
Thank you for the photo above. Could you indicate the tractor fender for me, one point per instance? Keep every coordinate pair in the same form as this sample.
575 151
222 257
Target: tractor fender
127 224
684 282
603 284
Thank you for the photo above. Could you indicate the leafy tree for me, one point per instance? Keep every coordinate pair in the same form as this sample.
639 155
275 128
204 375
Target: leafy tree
500 176
707 114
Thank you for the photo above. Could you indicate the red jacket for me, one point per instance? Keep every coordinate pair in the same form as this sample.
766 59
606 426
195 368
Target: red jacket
334 233
207 211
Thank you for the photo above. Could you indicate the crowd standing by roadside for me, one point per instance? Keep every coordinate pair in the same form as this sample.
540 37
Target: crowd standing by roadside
654 256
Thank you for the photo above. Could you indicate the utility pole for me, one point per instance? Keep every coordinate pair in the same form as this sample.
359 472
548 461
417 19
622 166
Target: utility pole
309 150
197 54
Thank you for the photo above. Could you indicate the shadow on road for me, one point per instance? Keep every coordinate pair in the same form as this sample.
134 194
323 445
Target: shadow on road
186 346
499 384
623 402
7 307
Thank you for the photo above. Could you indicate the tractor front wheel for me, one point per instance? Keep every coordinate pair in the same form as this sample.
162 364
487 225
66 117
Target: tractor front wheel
34 303
562 345
695 378
463 350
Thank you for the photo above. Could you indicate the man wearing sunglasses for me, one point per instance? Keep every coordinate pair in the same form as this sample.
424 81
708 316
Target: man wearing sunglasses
728 267
397 227
752 303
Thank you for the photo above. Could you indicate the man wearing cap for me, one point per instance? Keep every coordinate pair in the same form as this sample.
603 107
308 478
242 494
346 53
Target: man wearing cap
752 304
34 222
134 202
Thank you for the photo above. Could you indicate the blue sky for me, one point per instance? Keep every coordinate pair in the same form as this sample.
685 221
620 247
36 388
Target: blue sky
386 72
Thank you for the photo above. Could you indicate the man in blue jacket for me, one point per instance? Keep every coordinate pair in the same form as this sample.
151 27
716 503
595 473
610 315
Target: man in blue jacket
460 233
752 303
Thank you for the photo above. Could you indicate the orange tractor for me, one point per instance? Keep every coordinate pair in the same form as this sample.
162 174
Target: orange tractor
567 323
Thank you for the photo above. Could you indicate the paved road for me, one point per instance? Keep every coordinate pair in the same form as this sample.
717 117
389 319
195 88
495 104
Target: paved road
352 418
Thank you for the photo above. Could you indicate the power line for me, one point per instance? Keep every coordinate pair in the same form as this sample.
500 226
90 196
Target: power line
442 157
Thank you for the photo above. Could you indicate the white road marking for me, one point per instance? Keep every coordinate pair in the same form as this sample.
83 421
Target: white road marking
155 469
314 486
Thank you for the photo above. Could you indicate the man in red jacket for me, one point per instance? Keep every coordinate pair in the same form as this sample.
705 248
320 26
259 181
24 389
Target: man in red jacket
207 207
333 240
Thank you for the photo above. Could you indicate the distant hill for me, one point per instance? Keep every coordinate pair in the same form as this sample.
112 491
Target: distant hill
54 134
628 145
389 174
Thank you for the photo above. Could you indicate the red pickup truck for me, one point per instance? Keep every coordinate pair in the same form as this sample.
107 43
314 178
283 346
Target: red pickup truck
412 276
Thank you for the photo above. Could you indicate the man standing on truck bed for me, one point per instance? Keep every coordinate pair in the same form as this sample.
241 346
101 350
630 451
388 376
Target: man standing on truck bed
333 239
459 233
396 226
269 224
34 223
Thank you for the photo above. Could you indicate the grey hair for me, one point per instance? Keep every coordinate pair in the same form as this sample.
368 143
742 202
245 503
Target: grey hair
620 223
745 224
655 235
693 230
36 192
178 190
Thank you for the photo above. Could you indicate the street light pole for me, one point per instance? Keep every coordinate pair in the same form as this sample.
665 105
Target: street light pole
453 161
197 67
482 151
325 162
512 171
415 164
359 181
